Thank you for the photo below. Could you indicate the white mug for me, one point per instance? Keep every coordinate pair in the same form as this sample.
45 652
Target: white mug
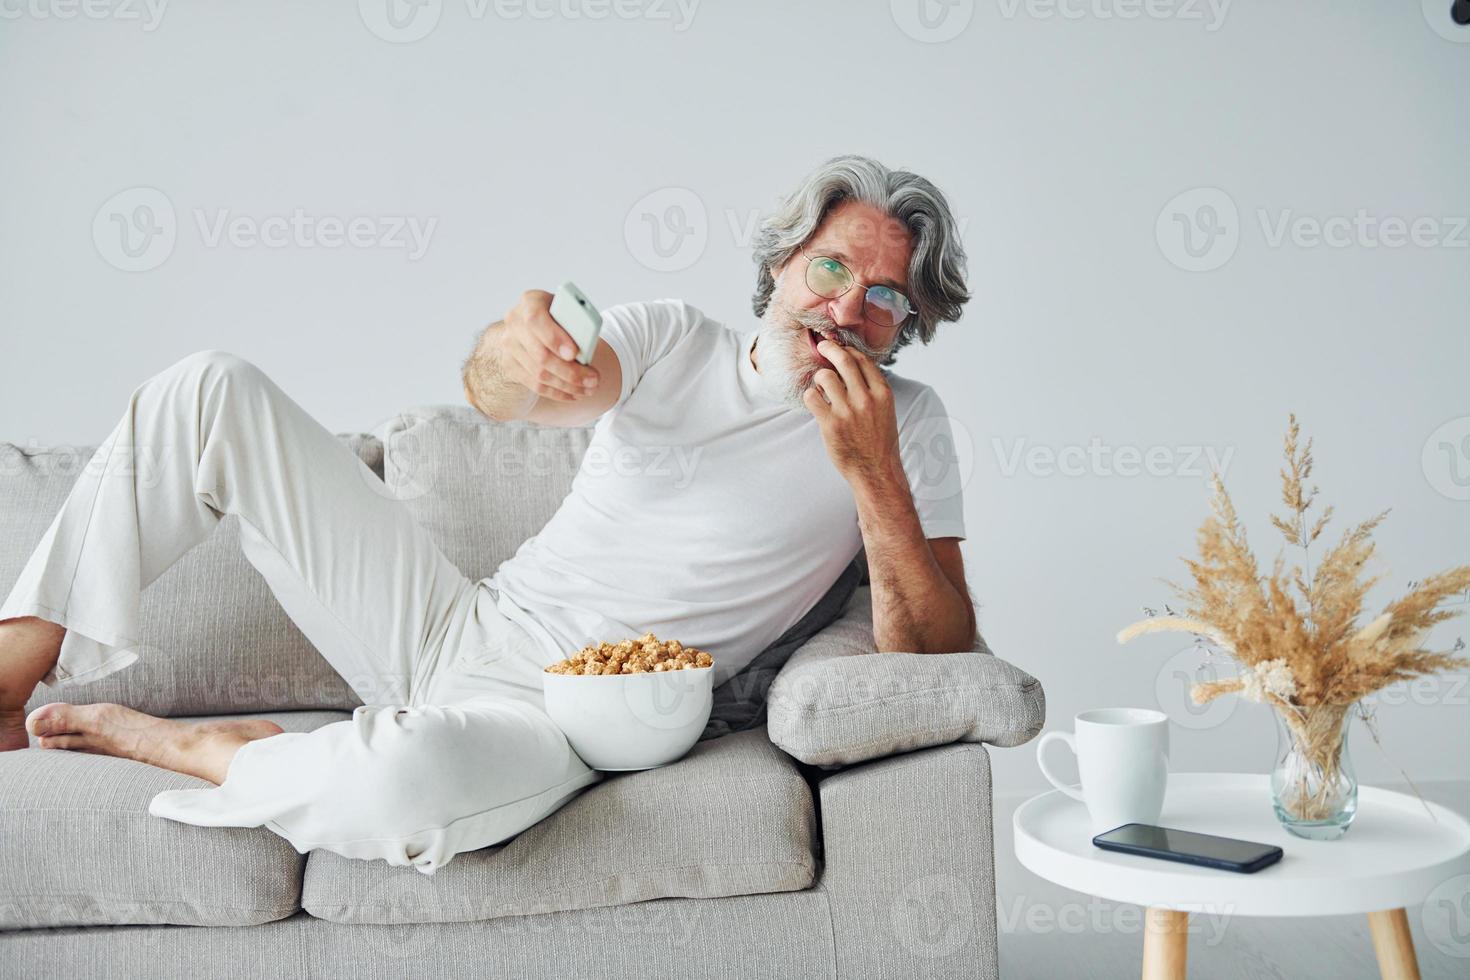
1123 759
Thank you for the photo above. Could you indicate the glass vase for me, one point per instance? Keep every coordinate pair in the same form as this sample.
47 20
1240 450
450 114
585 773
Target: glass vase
1313 787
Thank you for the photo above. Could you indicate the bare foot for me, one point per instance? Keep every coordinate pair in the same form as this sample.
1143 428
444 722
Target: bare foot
202 749
13 730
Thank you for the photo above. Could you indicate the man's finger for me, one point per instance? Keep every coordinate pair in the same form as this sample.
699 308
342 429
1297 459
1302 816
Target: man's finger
571 374
833 387
543 380
815 403
845 361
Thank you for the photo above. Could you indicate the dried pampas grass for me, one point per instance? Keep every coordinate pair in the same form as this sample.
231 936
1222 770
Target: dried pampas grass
1310 661
1306 619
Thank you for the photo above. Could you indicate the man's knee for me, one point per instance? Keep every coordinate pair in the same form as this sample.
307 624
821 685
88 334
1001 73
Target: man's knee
220 363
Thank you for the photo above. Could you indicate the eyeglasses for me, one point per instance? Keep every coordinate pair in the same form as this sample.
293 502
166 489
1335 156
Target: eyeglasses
829 278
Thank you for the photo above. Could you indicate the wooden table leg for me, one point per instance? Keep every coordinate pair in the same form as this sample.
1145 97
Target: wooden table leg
1165 944
1394 944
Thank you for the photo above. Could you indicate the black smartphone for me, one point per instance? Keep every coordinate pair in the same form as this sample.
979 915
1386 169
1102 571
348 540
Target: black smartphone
1205 850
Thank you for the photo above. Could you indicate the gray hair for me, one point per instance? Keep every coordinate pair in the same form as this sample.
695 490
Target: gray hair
937 266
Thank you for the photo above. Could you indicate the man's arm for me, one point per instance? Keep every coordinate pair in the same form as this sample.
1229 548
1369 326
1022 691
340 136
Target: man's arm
921 603
486 385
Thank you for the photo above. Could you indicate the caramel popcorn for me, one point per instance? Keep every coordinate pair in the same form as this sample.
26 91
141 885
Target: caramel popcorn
647 653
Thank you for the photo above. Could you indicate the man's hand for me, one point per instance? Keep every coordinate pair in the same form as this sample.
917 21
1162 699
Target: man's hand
540 355
859 426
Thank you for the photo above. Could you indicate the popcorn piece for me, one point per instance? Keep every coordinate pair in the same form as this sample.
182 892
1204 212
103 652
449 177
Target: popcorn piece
646 654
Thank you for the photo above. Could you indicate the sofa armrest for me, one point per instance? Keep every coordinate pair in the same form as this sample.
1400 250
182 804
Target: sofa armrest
838 701
908 865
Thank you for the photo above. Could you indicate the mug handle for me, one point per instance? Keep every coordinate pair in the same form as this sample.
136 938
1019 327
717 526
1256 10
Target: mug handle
1041 761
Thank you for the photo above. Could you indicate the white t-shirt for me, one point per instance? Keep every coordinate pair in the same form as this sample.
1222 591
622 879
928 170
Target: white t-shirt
707 510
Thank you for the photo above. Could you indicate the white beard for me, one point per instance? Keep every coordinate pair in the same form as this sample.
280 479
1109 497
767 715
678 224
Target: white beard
786 362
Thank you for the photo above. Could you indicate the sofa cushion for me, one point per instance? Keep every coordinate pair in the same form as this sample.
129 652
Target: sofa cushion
478 486
79 847
214 638
838 701
733 817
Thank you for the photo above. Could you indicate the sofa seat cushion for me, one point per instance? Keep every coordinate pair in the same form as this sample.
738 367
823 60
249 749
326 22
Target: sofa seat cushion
79 847
733 817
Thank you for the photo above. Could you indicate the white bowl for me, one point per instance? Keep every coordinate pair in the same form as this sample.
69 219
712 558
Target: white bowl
623 722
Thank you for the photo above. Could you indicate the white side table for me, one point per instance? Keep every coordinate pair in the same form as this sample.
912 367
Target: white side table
1393 856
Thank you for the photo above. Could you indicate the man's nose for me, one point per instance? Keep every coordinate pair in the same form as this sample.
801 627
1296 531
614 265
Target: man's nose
847 310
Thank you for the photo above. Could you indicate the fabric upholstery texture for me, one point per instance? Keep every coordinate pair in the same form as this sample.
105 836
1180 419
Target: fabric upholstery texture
782 935
61 810
479 487
836 702
912 896
733 817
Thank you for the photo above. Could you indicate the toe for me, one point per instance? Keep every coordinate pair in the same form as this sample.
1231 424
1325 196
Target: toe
73 742
50 719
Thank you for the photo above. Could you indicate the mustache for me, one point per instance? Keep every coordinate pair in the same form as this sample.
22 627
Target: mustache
806 319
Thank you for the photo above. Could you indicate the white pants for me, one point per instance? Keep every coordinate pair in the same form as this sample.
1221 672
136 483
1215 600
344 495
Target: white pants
452 749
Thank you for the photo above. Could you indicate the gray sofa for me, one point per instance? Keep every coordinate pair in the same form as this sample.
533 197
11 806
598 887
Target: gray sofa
835 821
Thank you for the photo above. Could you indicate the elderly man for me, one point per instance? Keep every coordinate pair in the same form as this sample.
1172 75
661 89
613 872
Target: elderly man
798 448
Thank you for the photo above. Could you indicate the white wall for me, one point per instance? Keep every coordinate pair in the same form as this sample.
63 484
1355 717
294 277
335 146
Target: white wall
1060 133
